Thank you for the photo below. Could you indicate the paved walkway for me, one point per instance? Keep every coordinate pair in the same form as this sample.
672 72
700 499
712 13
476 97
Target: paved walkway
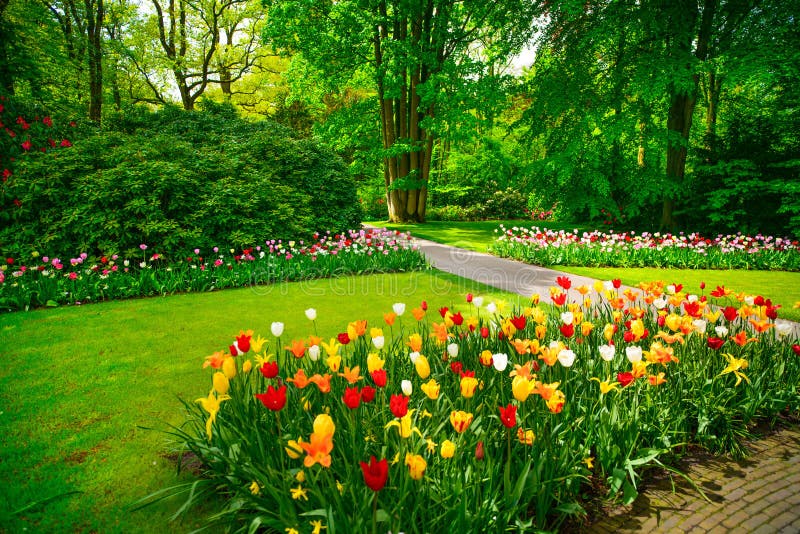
758 495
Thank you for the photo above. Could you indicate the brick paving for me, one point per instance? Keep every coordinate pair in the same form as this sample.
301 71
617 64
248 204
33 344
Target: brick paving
760 494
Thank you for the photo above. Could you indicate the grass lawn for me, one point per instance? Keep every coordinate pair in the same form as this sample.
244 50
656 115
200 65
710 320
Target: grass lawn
471 235
81 385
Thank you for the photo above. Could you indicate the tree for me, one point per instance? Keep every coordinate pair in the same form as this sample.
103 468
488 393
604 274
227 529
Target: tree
414 51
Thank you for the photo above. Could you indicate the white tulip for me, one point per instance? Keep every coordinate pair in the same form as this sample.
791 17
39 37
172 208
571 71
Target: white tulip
413 356
567 317
500 361
311 313
721 331
406 387
634 354
477 301
566 358
700 325
313 352
452 350
783 329
378 341
491 307
692 298
607 352
277 329
399 308
660 303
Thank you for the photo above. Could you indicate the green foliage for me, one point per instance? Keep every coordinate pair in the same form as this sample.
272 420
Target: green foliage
178 181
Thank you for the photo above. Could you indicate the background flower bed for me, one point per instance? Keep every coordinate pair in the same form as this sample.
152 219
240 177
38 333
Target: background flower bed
629 249
44 281
487 418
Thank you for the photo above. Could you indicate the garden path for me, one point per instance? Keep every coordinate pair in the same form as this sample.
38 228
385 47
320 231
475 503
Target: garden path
760 494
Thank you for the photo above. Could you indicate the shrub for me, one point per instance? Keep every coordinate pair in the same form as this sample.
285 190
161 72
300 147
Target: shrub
178 180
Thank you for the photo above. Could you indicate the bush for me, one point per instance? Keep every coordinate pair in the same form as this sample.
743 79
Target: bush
177 180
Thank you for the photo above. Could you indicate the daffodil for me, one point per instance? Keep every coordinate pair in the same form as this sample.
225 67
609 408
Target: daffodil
299 493
332 348
735 366
606 386
211 405
257 344
318 526
404 425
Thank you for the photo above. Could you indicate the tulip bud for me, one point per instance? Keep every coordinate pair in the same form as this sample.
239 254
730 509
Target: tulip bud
406 387
277 329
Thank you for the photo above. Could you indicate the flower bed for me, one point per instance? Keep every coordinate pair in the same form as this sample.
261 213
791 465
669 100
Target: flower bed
628 249
480 419
45 281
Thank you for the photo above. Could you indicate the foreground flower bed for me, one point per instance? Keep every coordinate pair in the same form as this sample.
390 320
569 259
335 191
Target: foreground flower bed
627 249
51 281
480 419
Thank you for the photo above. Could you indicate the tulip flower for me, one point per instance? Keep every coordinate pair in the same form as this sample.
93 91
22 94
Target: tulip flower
606 352
313 353
431 388
274 399
460 420
376 473
422 367
735 366
416 465
351 398
374 362
269 369
399 308
525 437
277 329
221 384
367 394
566 358
229 368
404 426
379 377
479 452
398 404
311 313
447 449
633 353
468 386
406 387
508 416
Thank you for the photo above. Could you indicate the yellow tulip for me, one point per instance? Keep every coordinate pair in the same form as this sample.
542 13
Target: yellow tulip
431 389
422 367
220 381
468 386
374 362
447 449
229 368
416 466
521 388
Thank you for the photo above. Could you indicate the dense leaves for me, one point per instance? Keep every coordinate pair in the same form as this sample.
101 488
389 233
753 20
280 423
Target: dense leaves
176 180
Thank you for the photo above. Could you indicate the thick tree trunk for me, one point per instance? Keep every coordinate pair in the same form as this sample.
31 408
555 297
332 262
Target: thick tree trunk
94 29
683 99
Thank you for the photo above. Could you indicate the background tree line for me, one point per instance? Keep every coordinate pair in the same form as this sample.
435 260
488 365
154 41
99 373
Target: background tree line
647 114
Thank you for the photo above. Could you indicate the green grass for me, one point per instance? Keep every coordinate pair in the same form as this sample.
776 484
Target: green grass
779 286
80 385
471 235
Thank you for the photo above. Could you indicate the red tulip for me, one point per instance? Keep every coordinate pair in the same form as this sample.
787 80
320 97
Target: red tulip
269 369
379 377
715 342
519 322
398 404
274 399
508 416
564 282
479 454
376 473
351 398
625 378
367 394
344 339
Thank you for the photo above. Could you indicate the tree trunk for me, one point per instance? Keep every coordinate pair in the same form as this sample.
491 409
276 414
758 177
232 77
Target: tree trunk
683 99
712 105
94 28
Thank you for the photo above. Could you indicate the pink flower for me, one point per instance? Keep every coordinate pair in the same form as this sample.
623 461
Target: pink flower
73 276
